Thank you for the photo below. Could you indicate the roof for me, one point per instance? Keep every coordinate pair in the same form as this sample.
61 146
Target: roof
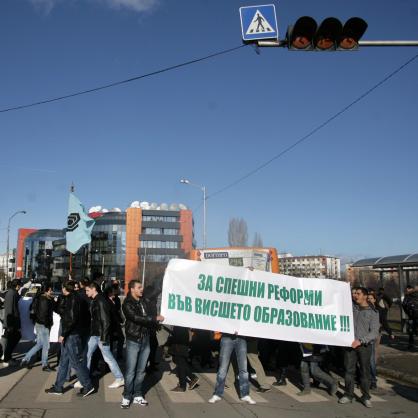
403 260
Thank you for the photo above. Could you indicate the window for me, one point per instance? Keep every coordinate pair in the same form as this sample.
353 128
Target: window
159 244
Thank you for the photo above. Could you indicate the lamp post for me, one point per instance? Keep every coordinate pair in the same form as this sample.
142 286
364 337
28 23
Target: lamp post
203 189
8 240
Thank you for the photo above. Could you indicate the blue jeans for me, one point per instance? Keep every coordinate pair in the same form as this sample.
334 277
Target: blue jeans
94 342
73 355
136 360
373 370
228 345
42 342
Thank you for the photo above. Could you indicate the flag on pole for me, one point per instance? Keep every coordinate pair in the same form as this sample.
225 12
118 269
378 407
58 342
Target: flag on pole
79 225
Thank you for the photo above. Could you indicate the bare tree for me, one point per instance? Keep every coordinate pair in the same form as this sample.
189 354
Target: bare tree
257 241
237 232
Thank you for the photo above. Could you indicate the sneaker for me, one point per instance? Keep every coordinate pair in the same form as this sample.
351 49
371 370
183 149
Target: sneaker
280 382
178 389
117 384
253 376
77 385
344 400
26 364
48 368
53 391
193 383
304 392
140 400
249 400
125 404
214 399
263 390
366 402
86 392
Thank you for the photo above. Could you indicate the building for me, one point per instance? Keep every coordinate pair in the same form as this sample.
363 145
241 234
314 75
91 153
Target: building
23 233
38 259
124 245
319 266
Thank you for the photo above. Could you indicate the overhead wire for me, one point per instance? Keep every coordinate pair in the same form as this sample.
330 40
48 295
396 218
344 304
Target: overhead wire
314 130
121 82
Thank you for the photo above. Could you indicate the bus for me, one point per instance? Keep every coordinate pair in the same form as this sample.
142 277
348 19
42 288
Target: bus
264 259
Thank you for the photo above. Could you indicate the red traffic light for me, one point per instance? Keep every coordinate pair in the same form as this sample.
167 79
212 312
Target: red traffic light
352 31
331 35
300 36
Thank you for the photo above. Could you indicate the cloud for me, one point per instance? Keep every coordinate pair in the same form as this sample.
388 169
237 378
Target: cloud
135 5
139 6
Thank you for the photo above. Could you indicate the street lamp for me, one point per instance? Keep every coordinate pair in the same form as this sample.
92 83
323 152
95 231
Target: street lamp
203 189
8 239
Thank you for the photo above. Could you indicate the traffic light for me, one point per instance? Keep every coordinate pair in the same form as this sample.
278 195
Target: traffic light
331 35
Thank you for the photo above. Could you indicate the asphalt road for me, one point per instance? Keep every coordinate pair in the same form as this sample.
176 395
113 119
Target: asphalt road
22 395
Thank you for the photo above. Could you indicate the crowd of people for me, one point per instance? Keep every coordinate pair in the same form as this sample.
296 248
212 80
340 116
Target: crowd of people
98 329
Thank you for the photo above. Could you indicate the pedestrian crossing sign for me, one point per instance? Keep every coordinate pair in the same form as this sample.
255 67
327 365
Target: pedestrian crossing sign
259 22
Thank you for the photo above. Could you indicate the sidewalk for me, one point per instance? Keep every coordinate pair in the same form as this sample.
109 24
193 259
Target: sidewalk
396 361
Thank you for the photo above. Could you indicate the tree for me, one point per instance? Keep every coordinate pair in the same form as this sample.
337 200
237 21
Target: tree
237 232
258 241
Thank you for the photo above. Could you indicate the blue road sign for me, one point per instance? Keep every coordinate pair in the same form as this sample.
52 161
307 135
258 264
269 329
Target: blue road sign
259 22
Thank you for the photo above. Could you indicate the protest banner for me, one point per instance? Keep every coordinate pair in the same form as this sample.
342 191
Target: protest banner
257 303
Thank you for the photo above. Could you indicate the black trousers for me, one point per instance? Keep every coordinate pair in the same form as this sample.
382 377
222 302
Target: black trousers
362 356
11 338
184 370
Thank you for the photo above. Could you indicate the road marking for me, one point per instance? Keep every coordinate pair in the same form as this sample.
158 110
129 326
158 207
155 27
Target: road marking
291 390
111 395
169 381
45 397
7 383
232 393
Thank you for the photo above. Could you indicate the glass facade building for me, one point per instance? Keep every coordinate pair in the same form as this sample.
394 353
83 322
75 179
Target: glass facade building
38 253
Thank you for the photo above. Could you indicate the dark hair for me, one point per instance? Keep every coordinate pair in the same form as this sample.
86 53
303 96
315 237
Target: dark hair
409 287
46 286
68 286
94 285
363 290
132 283
15 282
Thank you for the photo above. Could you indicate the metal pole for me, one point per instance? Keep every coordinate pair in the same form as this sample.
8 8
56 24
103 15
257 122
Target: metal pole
204 217
7 252
283 43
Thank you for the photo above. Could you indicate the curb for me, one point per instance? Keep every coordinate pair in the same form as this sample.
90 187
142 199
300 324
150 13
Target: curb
395 374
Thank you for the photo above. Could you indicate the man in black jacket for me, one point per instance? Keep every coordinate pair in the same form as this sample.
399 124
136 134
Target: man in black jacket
100 332
11 324
43 308
137 326
72 352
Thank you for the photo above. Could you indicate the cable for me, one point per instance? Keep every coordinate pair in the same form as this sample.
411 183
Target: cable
315 130
129 80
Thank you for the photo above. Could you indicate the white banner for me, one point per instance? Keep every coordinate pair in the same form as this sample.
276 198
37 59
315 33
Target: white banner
255 303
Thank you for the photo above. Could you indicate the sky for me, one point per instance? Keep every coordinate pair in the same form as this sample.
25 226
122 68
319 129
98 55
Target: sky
350 190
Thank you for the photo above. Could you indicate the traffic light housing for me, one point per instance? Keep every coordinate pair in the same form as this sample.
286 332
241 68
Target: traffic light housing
331 35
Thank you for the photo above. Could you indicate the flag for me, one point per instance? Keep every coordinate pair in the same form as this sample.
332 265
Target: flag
79 225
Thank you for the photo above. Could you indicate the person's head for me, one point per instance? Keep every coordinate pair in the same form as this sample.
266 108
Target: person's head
92 289
360 297
371 298
135 289
15 284
408 289
46 288
67 288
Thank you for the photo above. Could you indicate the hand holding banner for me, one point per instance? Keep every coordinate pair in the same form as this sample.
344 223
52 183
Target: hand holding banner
256 303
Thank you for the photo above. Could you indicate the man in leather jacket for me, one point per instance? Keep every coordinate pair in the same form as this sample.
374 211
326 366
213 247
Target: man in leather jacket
11 324
100 332
43 307
137 326
72 348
